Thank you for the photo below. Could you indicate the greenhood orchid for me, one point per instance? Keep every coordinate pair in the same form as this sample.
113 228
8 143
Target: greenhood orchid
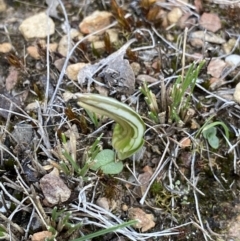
129 129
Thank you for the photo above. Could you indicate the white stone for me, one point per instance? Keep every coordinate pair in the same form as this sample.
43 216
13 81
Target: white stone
236 94
37 26
233 59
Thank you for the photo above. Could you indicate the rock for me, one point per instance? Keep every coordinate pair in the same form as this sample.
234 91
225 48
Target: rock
73 69
215 83
169 37
227 47
37 26
174 15
215 67
233 59
63 43
5 48
96 21
185 142
63 48
147 78
22 133
197 38
136 67
145 221
113 35
54 189
52 46
59 64
3 6
33 52
98 45
210 21
103 203
32 106
236 94
41 236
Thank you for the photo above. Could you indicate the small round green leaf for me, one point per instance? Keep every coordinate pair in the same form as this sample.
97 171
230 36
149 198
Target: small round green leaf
112 168
105 161
103 158
213 142
212 131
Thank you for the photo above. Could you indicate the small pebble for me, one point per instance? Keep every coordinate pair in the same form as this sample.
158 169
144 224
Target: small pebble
233 59
210 21
174 15
5 48
236 94
37 26
96 21
73 70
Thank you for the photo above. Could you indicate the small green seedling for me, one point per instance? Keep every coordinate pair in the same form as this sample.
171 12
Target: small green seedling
3 233
211 135
151 101
89 156
182 90
209 132
60 223
93 118
105 161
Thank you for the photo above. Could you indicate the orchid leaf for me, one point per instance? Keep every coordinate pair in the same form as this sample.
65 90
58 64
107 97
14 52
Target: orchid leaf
105 161
129 129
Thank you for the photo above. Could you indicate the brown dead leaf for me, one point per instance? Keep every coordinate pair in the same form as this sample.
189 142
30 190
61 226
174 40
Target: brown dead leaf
54 189
210 21
145 221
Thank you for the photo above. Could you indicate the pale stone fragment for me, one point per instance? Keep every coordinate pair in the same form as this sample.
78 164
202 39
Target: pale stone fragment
5 48
37 26
96 21
73 69
174 15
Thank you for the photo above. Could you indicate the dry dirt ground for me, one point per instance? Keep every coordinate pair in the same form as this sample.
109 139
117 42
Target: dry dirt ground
183 184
